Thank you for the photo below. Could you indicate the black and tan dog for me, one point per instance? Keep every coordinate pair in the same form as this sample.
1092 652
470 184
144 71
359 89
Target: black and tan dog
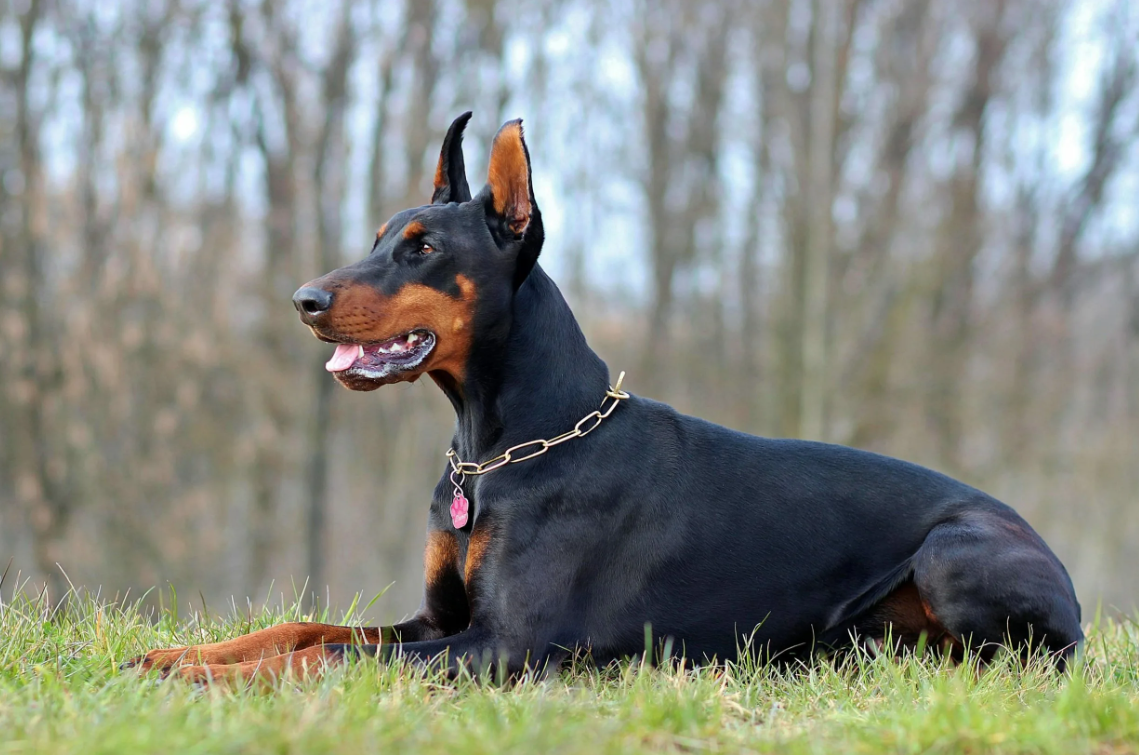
617 512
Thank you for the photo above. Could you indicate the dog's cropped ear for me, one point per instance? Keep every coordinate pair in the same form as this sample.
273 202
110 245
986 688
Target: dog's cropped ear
512 211
451 173
508 179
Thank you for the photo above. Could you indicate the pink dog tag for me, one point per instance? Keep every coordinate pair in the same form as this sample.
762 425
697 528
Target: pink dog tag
459 511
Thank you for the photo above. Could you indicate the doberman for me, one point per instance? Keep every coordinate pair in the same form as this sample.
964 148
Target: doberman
622 516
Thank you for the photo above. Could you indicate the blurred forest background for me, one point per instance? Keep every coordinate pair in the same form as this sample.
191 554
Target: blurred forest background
906 225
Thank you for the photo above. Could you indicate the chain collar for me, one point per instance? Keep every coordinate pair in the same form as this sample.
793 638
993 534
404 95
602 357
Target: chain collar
533 448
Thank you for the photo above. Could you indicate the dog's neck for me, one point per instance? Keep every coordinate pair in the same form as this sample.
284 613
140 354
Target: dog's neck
535 383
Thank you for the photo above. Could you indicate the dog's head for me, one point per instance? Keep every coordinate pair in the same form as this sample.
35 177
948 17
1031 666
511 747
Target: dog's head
436 275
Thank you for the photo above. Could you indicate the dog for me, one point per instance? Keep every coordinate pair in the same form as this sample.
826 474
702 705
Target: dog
573 517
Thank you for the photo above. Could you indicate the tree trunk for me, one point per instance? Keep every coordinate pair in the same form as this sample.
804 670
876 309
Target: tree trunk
40 468
328 196
959 246
812 398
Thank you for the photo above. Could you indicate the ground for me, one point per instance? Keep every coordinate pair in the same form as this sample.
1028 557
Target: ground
61 691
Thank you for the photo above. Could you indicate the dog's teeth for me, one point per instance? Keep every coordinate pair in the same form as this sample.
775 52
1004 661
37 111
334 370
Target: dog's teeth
412 338
361 352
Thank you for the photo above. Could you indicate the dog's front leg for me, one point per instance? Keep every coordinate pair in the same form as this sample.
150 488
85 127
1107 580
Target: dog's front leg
515 615
259 646
445 612
475 650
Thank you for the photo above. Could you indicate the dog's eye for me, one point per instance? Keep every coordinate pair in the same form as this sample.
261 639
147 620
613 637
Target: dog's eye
426 248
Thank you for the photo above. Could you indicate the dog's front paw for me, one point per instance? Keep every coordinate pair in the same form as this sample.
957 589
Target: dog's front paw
204 675
156 660
229 674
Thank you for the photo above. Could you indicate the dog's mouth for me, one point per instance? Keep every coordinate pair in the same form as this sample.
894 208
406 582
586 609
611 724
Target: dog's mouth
377 361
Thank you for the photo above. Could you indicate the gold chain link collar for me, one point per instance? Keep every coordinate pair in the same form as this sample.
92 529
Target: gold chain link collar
461 469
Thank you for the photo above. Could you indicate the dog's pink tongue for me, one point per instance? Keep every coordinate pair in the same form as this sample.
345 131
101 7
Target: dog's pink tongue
343 357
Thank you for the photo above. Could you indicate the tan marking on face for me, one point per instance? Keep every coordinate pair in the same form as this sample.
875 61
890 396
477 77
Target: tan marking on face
362 314
441 556
476 551
414 229
509 177
380 233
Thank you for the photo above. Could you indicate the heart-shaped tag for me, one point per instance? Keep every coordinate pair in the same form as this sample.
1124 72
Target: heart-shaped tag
459 511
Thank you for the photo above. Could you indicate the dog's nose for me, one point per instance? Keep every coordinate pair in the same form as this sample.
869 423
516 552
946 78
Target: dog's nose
311 301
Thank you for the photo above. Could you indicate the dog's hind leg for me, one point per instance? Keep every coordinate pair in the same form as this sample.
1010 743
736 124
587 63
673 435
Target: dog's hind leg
990 580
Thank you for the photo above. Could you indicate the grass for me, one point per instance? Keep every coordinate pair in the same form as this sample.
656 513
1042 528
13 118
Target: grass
61 691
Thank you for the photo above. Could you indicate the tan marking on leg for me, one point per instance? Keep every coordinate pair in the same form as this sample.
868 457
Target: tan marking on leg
309 663
476 551
441 557
908 615
264 643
